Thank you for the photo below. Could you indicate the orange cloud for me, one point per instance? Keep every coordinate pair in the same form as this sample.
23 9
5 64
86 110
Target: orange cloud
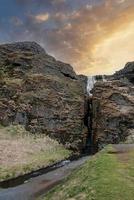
41 17
95 39
100 39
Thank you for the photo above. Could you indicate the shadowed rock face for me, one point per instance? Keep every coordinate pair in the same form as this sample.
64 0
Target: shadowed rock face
43 94
126 73
20 58
83 79
113 112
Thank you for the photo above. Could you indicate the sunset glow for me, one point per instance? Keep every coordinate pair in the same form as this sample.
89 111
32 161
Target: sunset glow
94 36
112 53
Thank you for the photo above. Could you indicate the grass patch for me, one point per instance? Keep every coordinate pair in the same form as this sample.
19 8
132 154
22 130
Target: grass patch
105 177
22 152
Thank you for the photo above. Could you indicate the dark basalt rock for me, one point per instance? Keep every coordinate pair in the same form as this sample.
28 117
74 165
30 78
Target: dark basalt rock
41 93
46 96
126 73
28 57
32 47
113 112
83 80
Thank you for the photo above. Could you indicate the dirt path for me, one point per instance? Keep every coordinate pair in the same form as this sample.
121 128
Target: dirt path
122 151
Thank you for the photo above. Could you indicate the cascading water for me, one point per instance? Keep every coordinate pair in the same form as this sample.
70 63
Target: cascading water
91 80
90 148
104 78
90 84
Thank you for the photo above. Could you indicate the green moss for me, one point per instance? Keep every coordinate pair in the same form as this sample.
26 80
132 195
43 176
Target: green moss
104 177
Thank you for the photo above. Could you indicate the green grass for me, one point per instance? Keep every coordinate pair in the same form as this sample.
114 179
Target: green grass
104 177
22 152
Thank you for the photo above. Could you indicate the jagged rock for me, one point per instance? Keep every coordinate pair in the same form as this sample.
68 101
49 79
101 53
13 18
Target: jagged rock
126 73
83 80
41 93
32 47
46 96
113 112
20 58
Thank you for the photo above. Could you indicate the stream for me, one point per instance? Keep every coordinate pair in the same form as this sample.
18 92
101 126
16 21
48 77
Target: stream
37 186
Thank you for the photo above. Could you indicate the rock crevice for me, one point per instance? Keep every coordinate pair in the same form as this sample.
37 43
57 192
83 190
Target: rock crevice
46 96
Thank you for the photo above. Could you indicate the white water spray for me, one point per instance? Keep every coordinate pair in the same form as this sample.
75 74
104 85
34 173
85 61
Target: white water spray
90 84
104 78
92 80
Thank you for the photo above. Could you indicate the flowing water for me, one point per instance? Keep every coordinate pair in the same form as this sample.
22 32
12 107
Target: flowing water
30 187
91 80
90 84
104 78
39 185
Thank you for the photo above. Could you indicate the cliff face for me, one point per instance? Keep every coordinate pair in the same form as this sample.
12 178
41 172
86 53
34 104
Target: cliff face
126 73
44 95
113 112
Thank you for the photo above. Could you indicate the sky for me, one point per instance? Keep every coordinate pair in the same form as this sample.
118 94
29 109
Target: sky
94 36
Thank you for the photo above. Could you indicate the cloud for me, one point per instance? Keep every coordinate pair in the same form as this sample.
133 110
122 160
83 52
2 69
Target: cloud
41 17
86 37
46 3
16 21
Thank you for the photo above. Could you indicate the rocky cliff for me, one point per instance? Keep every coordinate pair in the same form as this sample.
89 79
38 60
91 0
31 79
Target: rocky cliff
46 96
41 93
113 109
127 73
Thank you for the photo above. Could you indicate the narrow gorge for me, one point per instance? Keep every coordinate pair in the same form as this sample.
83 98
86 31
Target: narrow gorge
46 96
49 115
91 145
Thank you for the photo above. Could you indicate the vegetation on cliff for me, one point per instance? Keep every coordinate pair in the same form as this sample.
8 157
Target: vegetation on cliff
42 94
109 175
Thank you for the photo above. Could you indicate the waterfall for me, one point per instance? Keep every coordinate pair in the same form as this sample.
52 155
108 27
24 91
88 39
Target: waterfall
92 80
90 84
90 147
104 78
